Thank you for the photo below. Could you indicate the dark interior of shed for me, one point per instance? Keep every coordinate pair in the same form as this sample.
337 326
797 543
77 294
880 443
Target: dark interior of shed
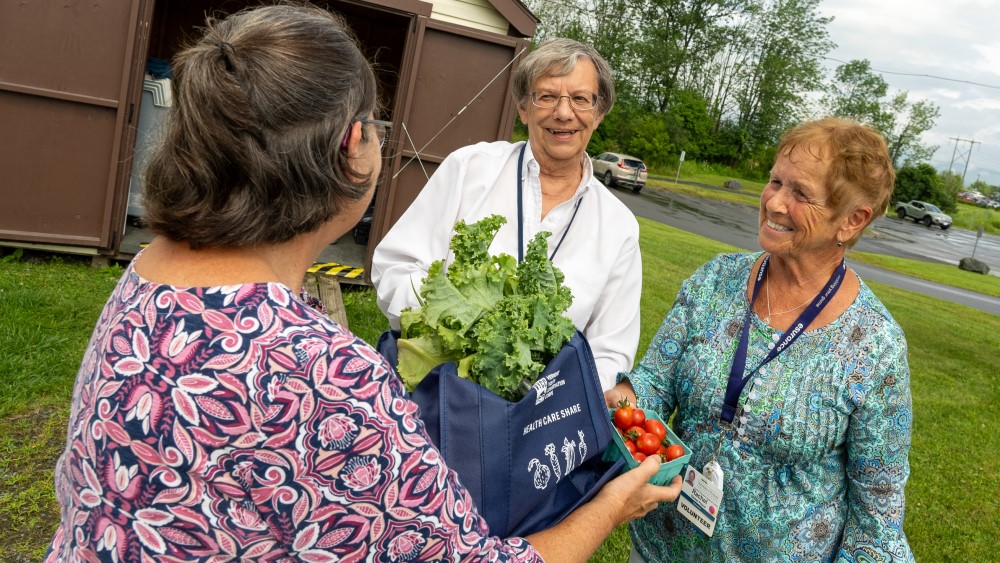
382 35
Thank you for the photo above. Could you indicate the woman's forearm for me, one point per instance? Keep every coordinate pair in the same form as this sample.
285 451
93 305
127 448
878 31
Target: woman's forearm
625 498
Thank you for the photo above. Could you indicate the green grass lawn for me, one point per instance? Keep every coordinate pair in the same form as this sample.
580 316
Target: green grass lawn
972 217
732 196
47 310
931 271
708 174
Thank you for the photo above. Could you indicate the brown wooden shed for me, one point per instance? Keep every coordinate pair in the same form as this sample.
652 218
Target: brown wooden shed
71 84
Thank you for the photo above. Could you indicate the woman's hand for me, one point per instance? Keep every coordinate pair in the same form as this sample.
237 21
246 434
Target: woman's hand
632 494
623 499
620 392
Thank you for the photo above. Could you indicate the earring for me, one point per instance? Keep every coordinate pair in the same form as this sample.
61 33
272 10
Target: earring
839 244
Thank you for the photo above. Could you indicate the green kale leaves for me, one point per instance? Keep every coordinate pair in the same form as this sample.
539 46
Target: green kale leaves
498 320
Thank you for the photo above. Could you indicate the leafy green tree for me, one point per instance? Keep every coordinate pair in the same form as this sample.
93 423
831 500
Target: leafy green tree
949 184
904 123
603 30
720 79
787 39
917 181
617 127
859 93
598 23
856 93
678 40
720 92
690 125
727 142
652 140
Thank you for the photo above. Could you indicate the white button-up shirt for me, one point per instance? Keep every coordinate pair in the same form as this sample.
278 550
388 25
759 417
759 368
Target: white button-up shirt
599 256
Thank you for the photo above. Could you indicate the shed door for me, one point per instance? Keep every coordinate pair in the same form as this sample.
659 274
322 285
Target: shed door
66 82
458 92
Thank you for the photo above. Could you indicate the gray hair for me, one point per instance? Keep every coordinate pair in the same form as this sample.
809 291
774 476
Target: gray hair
252 153
558 57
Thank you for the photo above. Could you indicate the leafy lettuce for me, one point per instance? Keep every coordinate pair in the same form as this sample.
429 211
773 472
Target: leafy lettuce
498 320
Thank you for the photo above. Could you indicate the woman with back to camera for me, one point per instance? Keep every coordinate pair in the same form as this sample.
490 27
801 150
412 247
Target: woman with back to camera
787 375
563 89
218 417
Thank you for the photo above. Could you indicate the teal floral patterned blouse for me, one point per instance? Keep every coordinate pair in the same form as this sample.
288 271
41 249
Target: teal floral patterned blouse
819 472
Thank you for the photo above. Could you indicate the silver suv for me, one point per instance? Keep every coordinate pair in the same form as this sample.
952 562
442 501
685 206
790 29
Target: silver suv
615 169
923 212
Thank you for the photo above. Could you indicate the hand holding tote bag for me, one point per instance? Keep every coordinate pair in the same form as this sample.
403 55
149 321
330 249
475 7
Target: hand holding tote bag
526 464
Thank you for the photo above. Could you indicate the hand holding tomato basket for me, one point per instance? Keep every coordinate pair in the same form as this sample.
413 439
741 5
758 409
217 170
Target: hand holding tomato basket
639 434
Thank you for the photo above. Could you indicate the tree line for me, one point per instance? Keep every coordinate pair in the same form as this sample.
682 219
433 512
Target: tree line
721 80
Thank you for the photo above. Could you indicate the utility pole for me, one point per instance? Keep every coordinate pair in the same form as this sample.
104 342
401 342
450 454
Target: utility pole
966 155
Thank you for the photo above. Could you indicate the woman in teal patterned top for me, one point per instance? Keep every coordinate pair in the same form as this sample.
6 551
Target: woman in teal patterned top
815 460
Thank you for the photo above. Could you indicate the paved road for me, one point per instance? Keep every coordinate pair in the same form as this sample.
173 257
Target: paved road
736 224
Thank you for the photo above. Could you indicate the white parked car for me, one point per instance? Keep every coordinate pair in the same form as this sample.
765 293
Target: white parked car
616 169
923 212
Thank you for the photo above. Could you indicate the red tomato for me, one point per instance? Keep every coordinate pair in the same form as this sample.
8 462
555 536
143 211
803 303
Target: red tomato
630 446
634 432
638 417
654 426
674 451
639 456
648 443
623 417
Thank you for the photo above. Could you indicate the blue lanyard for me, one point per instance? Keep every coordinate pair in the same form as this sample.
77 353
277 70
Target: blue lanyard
520 211
738 377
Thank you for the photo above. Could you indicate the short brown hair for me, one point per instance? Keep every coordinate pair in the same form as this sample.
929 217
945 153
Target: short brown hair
860 170
251 152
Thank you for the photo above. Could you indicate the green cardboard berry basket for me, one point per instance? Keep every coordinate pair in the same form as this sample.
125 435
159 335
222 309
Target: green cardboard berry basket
667 470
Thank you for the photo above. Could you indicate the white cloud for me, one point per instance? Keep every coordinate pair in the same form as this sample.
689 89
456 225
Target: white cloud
945 93
989 61
923 39
980 104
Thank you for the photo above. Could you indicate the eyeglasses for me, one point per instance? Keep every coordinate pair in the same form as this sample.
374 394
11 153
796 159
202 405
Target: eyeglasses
583 101
381 130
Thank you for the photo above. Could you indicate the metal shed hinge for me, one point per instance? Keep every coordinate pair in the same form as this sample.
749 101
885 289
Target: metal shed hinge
131 112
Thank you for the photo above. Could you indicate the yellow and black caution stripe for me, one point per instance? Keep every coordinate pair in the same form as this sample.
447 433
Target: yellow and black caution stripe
325 268
335 269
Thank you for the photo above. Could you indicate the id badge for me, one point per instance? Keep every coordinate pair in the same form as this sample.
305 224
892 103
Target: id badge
700 500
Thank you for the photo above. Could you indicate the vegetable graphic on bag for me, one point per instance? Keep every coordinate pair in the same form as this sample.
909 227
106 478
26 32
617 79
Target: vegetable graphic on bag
507 389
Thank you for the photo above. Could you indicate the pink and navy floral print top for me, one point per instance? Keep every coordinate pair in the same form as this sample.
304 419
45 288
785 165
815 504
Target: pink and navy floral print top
237 423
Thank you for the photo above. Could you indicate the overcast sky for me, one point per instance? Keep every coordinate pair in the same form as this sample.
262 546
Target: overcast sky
956 39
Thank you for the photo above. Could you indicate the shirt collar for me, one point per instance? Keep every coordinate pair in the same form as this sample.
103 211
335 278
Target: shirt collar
531 165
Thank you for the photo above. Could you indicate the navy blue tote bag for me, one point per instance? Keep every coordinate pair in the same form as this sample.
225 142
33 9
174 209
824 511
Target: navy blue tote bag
526 464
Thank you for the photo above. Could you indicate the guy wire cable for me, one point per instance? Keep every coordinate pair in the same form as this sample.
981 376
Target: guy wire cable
445 126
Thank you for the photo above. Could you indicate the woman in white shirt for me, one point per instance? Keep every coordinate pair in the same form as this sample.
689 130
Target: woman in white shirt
563 90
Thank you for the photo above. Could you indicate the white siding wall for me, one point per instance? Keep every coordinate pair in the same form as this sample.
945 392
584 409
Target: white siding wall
477 14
